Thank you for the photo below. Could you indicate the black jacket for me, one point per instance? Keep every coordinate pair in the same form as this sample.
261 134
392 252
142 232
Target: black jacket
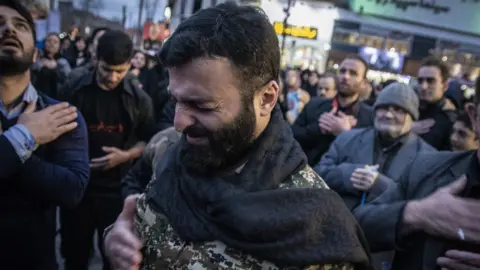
307 133
55 175
137 103
439 134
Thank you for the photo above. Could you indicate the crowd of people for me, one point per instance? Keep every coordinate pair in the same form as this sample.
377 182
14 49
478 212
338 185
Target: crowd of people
209 156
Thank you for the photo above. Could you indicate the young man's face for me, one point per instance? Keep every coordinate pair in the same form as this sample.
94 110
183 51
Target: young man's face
110 76
463 138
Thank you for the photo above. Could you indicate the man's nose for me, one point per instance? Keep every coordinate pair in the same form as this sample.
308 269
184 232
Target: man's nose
183 118
424 85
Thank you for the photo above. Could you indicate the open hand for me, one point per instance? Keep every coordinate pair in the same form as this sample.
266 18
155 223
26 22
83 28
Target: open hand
459 260
48 124
113 158
329 122
443 213
423 126
364 178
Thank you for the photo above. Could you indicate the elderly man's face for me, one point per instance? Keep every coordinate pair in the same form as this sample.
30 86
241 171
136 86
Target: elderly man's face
217 118
392 121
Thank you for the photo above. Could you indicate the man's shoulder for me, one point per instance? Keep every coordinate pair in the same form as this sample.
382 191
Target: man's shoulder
48 101
319 101
160 142
431 160
355 133
304 178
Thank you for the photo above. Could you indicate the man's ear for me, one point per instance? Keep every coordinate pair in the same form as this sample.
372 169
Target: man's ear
35 55
269 96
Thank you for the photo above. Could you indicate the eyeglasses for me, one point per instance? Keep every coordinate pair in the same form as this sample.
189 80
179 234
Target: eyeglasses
428 80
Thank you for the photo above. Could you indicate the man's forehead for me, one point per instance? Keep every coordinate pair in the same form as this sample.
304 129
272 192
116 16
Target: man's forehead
353 64
11 13
433 70
114 67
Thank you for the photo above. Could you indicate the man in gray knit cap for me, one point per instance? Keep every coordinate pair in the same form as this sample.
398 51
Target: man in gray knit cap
362 163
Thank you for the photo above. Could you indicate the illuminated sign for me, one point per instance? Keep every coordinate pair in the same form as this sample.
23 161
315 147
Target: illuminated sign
459 15
305 32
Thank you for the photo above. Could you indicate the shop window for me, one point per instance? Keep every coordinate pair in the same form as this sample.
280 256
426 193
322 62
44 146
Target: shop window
400 46
371 41
344 37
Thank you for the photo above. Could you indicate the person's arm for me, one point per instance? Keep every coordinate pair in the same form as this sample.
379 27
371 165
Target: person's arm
385 216
62 178
382 183
141 173
63 70
137 178
334 171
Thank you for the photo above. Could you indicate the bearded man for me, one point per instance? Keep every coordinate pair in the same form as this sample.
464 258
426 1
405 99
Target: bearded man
44 161
235 192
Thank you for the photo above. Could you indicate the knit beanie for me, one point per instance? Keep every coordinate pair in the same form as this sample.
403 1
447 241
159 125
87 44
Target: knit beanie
400 95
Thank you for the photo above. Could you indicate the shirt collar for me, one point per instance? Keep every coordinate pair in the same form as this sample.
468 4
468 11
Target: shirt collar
29 95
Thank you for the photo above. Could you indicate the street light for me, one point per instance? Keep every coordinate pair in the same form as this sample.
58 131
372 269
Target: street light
290 4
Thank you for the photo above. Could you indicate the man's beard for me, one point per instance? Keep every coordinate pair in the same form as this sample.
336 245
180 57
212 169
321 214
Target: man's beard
388 132
227 145
11 65
346 91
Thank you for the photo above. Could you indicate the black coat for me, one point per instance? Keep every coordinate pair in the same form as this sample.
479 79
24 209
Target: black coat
307 133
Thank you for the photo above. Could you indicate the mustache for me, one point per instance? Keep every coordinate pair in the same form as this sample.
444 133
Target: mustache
196 131
9 39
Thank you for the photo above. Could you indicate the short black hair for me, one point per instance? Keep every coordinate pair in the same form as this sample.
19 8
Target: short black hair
435 62
115 48
463 117
23 11
360 59
242 34
330 75
94 33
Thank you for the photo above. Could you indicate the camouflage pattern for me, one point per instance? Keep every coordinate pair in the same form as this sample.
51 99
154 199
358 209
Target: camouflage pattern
163 248
159 143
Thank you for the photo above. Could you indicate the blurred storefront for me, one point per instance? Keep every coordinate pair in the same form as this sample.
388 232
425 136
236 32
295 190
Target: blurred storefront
393 36
444 28
308 33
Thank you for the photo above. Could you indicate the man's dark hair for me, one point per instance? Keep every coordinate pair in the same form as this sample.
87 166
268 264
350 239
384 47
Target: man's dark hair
463 117
330 75
435 62
241 34
115 48
360 59
94 33
23 11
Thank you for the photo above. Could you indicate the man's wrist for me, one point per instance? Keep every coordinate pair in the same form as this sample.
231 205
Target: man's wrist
412 217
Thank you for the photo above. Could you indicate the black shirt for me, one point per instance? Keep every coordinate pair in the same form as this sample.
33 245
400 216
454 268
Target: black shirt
109 125
385 151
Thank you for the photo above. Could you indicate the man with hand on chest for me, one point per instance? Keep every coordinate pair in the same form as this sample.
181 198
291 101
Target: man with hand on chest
44 161
119 117
431 216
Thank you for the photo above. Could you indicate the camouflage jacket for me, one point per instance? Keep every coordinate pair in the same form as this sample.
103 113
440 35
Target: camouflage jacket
163 248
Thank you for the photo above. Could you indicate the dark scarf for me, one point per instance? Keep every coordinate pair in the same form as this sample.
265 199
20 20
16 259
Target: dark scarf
247 211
